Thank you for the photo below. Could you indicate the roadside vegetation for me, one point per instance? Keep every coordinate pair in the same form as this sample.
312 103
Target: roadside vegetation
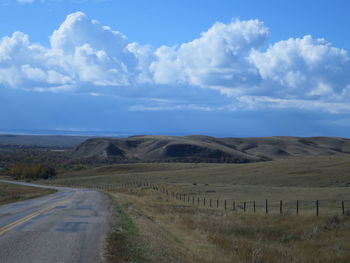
22 171
124 243
174 231
10 193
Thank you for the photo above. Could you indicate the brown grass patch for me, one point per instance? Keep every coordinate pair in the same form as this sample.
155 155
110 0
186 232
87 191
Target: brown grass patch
12 193
178 232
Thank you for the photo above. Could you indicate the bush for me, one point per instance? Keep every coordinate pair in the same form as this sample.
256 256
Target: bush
24 171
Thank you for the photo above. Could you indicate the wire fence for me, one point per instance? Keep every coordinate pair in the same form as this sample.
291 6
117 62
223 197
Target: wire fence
266 206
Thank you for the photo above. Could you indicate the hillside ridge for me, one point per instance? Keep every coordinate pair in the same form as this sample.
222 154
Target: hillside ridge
202 148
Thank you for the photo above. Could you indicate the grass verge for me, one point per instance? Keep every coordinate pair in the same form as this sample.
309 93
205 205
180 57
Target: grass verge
178 232
10 193
124 243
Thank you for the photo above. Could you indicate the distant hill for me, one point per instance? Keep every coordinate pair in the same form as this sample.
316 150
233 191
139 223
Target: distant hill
198 148
45 141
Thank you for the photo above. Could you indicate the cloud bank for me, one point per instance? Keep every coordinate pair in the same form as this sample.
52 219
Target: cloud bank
233 60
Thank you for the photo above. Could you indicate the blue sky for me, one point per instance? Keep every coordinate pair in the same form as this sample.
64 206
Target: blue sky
222 68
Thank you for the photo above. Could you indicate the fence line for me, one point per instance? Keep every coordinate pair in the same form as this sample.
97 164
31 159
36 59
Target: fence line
222 204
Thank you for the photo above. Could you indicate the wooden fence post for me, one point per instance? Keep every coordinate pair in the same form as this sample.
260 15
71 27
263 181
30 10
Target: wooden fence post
209 202
297 207
192 200
225 204
254 206
204 201
281 207
343 207
234 206
244 206
266 206
217 203
317 208
198 200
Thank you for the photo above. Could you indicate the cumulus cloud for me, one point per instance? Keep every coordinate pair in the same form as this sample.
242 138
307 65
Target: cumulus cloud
82 52
219 58
303 68
289 74
234 59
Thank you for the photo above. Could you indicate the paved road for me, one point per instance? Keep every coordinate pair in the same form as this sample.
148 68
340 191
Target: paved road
68 226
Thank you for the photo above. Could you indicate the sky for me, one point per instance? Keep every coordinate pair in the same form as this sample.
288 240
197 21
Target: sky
226 68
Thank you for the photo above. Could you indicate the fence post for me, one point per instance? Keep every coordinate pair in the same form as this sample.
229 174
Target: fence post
204 201
317 210
233 206
254 206
225 204
244 206
343 207
209 202
281 207
192 200
266 206
297 207
198 200
217 203
188 198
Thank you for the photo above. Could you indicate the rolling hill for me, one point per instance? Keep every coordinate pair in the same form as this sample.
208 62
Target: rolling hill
199 148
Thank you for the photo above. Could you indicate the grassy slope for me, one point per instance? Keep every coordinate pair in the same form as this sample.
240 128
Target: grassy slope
308 179
177 232
325 171
12 193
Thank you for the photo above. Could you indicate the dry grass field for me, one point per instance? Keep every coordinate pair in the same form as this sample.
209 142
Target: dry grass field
174 231
12 193
326 179
154 227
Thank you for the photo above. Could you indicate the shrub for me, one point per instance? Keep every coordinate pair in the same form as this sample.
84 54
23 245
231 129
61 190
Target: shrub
25 171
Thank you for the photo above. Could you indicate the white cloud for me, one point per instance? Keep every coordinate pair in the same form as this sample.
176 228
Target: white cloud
303 73
82 53
263 102
303 68
218 58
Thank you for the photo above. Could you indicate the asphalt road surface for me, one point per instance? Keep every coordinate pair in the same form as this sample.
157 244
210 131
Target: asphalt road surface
68 226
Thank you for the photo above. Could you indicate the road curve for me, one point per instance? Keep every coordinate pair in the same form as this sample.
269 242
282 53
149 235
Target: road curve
65 227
